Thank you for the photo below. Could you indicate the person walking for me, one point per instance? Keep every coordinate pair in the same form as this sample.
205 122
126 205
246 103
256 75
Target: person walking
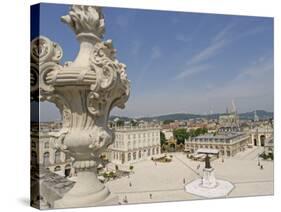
125 200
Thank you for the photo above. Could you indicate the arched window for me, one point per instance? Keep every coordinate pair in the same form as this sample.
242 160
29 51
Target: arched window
57 156
46 159
129 156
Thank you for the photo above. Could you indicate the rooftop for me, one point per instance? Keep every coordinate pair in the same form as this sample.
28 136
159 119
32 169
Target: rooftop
227 135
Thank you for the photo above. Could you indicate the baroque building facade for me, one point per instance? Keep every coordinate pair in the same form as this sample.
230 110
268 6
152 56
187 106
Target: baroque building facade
228 144
260 134
45 155
132 144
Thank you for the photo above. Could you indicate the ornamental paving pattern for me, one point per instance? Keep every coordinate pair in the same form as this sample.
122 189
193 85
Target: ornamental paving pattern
159 182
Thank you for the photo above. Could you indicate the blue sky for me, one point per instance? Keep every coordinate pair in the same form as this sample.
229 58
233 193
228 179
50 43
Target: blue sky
180 62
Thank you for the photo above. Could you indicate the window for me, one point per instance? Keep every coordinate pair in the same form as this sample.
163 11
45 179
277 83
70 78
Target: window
139 154
46 145
129 156
33 144
134 156
33 157
46 158
57 156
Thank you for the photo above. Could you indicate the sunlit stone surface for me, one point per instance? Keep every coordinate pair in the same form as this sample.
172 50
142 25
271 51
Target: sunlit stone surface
85 91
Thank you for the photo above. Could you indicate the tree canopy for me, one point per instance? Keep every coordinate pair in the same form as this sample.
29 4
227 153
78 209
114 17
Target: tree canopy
180 135
162 138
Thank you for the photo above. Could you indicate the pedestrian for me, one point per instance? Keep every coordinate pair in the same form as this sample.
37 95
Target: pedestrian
150 196
130 184
261 167
183 180
125 199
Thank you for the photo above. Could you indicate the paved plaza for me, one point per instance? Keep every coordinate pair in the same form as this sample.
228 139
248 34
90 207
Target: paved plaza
155 182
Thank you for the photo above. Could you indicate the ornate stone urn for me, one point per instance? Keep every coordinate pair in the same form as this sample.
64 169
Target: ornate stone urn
85 91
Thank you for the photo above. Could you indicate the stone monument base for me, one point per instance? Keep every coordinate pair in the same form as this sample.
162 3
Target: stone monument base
87 191
209 187
209 180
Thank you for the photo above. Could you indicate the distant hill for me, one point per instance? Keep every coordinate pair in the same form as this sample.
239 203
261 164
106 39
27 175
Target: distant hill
175 116
262 114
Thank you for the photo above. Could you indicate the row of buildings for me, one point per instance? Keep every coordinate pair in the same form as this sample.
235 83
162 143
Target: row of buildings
44 153
131 144
142 142
231 138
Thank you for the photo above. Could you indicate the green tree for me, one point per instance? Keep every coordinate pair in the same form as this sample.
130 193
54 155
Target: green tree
197 132
162 138
180 135
168 121
134 123
120 123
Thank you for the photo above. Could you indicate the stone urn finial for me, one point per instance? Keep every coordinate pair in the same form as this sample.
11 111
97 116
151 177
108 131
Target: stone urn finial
85 20
85 91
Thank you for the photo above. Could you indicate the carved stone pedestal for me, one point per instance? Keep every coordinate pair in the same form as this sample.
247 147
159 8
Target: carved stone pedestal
85 91
88 191
209 180
208 186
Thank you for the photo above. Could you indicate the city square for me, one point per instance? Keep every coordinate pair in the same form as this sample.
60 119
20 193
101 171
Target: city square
165 181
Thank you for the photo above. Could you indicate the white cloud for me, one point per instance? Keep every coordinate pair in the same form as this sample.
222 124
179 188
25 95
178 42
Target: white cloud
122 21
217 43
192 70
208 52
155 52
183 38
